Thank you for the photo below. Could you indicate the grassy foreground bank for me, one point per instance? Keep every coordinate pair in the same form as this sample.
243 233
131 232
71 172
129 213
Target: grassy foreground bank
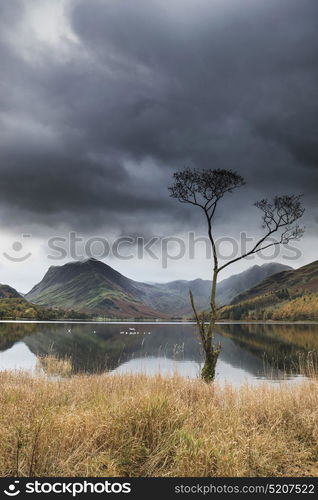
139 426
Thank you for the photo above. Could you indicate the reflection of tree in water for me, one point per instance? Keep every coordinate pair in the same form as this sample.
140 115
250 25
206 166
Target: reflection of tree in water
100 347
279 345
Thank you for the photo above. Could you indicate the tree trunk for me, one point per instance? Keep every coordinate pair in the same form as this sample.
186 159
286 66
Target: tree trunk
211 357
211 350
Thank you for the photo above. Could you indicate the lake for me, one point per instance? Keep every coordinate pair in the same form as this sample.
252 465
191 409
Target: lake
251 352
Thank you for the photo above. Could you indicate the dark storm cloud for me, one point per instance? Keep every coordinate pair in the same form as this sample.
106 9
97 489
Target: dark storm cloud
297 133
93 136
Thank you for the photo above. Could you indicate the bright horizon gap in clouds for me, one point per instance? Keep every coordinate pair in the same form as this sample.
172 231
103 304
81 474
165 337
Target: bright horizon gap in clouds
24 275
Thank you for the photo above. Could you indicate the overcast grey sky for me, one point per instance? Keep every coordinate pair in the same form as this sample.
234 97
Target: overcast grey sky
101 100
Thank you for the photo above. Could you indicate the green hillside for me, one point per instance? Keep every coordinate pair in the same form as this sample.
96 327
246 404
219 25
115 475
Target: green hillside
19 308
92 287
7 292
290 295
95 288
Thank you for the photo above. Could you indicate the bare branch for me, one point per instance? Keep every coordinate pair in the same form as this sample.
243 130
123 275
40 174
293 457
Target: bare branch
200 322
204 188
279 214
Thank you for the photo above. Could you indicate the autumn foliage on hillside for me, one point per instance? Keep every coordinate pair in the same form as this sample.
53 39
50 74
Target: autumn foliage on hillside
279 305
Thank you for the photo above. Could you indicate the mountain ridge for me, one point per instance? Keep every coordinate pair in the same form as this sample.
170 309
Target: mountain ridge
288 295
305 277
95 287
112 293
7 292
230 287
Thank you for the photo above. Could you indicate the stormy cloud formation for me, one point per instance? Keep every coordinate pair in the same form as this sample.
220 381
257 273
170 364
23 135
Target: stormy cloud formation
101 100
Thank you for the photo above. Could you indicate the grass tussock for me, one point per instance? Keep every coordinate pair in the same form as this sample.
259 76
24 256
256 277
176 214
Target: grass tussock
55 367
122 425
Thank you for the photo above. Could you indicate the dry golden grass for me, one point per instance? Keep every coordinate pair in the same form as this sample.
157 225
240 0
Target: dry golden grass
122 425
55 367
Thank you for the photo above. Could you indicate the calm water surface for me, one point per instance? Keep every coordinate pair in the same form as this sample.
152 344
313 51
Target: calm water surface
250 352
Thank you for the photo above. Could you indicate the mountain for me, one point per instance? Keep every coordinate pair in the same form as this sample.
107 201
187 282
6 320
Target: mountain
14 306
301 280
173 297
231 287
7 292
95 288
92 287
289 294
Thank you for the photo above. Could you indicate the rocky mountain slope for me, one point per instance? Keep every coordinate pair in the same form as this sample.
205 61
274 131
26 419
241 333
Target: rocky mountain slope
288 295
95 288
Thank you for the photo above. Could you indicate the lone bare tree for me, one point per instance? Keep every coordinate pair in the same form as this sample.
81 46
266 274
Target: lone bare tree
205 189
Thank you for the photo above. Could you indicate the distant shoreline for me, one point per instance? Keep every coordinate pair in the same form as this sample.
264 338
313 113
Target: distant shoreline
162 322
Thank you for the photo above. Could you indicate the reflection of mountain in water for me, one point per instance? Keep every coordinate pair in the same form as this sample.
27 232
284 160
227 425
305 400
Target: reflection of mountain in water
100 347
279 345
10 333
95 348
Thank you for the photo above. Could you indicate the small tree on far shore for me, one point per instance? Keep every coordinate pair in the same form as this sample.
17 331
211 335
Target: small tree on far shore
205 189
